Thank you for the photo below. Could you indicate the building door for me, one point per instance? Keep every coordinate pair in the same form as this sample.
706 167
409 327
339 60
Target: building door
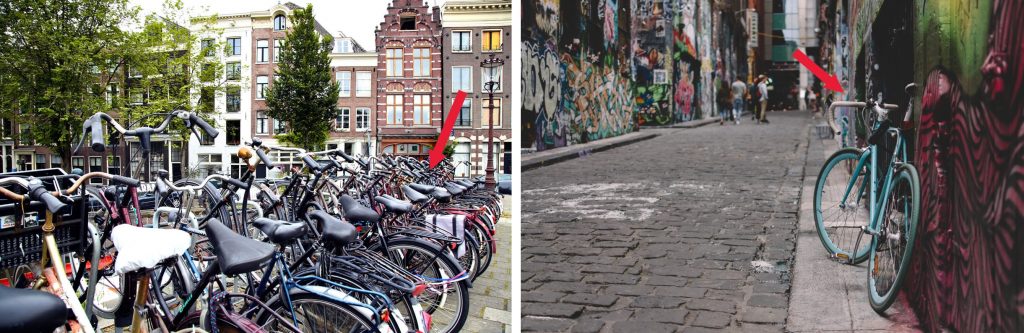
461 159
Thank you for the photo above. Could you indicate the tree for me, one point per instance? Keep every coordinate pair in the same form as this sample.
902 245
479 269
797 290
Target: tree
303 94
57 59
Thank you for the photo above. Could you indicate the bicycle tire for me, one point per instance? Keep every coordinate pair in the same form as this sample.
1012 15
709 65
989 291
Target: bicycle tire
300 297
906 175
844 235
442 258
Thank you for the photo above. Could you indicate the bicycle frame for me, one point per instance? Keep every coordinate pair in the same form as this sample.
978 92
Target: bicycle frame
871 154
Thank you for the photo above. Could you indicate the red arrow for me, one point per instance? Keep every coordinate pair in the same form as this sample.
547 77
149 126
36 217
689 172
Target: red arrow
437 154
831 81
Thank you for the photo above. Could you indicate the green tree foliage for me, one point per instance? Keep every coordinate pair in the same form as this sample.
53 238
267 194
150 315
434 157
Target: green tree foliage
303 94
58 58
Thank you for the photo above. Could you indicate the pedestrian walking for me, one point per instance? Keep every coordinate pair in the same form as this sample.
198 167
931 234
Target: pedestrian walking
724 101
739 91
762 90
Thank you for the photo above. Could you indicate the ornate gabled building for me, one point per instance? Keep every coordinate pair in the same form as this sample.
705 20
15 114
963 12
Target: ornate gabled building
408 86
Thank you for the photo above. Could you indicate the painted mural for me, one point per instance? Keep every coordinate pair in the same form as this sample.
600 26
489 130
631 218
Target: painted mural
652 63
576 72
968 272
687 61
705 86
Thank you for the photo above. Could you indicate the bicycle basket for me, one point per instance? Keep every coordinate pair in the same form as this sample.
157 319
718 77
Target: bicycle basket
21 238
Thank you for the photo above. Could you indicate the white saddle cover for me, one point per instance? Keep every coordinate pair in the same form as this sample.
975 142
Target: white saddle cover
139 247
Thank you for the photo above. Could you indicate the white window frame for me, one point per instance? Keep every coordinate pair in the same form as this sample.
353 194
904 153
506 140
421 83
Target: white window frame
362 119
469 110
344 79
469 85
418 63
345 124
364 79
421 109
261 87
395 106
262 51
394 68
469 39
277 49
262 120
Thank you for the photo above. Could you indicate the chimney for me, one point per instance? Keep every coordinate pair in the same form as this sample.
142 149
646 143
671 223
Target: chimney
436 13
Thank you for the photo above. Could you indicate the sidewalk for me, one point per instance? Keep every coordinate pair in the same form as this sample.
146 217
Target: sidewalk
490 303
828 296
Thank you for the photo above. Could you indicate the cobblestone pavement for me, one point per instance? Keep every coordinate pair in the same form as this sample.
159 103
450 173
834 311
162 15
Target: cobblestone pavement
692 231
490 298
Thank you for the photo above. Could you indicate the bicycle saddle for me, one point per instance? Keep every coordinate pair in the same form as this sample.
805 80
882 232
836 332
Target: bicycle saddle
334 230
144 248
465 183
413 195
393 204
280 231
454 188
29 310
441 195
235 253
356 212
425 189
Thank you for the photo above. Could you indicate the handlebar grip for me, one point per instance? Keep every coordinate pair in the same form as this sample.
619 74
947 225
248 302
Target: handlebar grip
97 137
263 157
345 156
161 186
312 164
212 132
38 192
126 181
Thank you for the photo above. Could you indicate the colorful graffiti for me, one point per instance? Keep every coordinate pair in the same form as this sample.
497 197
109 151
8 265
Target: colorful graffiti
652 45
686 58
575 74
967 274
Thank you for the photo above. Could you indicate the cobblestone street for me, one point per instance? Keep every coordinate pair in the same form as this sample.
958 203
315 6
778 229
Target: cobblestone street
490 297
691 231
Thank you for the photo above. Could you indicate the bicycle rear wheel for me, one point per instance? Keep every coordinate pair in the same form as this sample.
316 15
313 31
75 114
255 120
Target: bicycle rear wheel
892 247
318 313
838 219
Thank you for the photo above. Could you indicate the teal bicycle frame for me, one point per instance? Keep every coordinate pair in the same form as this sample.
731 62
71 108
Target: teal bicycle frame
871 153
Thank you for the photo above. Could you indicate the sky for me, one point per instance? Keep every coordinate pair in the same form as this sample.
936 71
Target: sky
357 18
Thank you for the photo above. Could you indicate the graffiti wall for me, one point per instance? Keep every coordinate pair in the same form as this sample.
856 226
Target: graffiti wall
686 60
968 272
576 71
652 62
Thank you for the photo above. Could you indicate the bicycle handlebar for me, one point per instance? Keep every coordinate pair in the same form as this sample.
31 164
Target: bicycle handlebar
95 125
36 192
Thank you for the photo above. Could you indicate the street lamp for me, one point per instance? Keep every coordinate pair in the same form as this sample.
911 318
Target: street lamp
491 66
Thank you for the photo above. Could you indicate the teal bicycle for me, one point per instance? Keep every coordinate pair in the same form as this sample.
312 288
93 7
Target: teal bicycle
871 191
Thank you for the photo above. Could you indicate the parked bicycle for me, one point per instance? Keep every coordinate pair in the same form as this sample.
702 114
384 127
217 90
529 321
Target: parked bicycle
871 191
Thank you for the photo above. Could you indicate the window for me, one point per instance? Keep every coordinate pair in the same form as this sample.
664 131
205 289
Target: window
261 50
363 84
40 161
209 164
111 93
234 129
234 46
238 166
485 118
261 87
280 22
484 78
465 118
348 148
490 40
233 70
56 161
114 165
408 23
261 122
280 126
421 61
206 47
343 123
362 119
462 78
394 109
96 165
78 163
207 73
136 96
206 96
462 41
204 139
277 49
344 83
421 109
25 134
393 59
234 98
343 45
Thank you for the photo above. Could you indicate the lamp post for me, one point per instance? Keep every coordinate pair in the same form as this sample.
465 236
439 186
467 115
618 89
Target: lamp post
492 66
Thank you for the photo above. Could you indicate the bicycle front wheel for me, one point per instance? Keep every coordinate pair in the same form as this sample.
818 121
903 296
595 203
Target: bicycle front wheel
892 247
840 206
319 313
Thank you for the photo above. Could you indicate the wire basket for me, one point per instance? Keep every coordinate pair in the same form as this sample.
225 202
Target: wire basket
21 236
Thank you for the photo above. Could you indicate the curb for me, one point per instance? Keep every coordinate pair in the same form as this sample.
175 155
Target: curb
685 124
575 153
